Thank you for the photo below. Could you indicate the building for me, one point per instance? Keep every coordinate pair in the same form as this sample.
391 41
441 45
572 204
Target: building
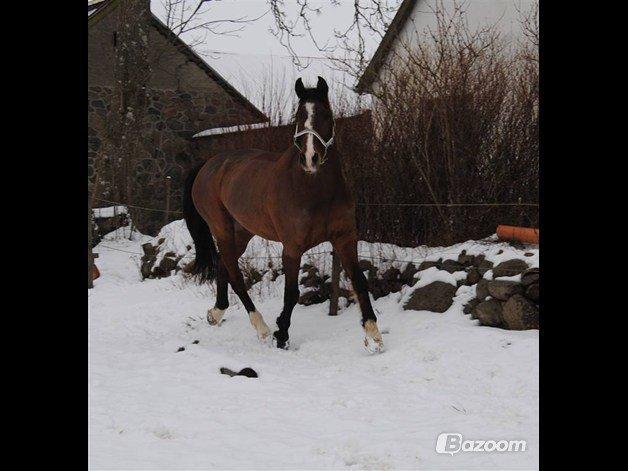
186 96
415 18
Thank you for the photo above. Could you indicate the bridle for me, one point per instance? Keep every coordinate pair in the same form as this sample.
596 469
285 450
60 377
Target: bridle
326 144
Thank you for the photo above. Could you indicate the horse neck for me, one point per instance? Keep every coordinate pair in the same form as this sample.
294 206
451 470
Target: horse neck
326 179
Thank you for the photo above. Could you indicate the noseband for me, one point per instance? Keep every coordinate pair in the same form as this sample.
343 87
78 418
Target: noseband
326 144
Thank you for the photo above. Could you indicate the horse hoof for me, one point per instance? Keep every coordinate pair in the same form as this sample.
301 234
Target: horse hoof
214 316
280 343
263 332
373 340
373 346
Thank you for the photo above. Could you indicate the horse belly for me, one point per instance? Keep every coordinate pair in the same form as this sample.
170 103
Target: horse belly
244 195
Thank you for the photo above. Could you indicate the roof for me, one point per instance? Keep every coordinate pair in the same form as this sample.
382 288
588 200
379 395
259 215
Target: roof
97 9
372 70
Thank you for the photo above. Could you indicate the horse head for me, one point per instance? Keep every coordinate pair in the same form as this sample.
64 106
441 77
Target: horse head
314 128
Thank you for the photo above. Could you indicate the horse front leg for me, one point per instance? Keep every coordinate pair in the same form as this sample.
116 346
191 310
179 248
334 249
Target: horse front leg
291 263
347 249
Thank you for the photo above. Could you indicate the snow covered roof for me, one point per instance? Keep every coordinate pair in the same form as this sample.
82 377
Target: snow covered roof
230 129
93 6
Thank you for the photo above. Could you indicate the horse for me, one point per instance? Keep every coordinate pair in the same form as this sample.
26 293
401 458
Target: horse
297 197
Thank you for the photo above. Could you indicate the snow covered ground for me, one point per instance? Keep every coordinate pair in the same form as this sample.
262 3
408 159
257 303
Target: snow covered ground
325 404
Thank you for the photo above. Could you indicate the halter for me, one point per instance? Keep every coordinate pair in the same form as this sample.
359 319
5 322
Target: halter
326 144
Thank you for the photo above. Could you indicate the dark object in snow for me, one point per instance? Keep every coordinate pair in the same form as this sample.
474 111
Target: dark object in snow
181 349
435 297
195 342
248 372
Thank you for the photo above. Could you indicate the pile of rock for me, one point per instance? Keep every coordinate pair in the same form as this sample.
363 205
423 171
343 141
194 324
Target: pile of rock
155 265
510 302
506 303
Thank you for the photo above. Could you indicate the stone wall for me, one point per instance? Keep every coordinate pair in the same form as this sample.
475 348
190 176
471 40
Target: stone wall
184 98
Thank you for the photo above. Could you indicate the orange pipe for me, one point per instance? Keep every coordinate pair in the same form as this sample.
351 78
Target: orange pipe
526 235
95 272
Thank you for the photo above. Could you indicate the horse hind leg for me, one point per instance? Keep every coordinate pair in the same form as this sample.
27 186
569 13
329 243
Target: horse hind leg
347 251
229 256
216 313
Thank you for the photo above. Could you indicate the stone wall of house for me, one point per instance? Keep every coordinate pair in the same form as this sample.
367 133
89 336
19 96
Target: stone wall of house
183 100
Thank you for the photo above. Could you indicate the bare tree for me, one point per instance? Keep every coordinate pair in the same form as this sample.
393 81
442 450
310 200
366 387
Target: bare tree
194 20
130 90
348 47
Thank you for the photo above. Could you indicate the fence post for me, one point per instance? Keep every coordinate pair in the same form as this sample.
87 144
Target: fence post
335 284
167 212
90 255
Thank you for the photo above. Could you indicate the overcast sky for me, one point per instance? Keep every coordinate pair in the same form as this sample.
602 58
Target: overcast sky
249 57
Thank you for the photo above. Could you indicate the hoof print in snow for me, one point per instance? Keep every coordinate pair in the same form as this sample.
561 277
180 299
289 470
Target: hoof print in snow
436 297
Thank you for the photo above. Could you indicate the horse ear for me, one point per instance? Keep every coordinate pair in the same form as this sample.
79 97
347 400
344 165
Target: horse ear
299 88
321 85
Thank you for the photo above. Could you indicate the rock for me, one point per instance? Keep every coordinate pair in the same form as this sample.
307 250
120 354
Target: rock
485 266
407 275
473 276
528 254
471 305
435 297
167 264
489 313
452 266
503 290
532 292
312 297
366 265
510 268
481 289
531 275
425 265
466 260
391 274
147 266
520 313
478 260
148 249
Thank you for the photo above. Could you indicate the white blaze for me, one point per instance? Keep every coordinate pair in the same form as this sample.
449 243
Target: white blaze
309 143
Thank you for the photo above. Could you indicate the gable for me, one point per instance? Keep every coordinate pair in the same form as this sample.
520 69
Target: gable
174 65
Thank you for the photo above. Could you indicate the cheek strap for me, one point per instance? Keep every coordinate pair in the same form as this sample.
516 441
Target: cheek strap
326 144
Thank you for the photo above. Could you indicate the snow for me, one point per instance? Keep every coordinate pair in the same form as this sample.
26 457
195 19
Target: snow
109 211
230 129
324 404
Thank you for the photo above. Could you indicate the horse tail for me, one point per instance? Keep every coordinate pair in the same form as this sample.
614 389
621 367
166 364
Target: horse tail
204 266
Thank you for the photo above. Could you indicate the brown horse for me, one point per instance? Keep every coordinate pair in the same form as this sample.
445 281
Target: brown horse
297 197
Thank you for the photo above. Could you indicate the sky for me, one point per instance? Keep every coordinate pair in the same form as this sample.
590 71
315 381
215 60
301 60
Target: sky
250 57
